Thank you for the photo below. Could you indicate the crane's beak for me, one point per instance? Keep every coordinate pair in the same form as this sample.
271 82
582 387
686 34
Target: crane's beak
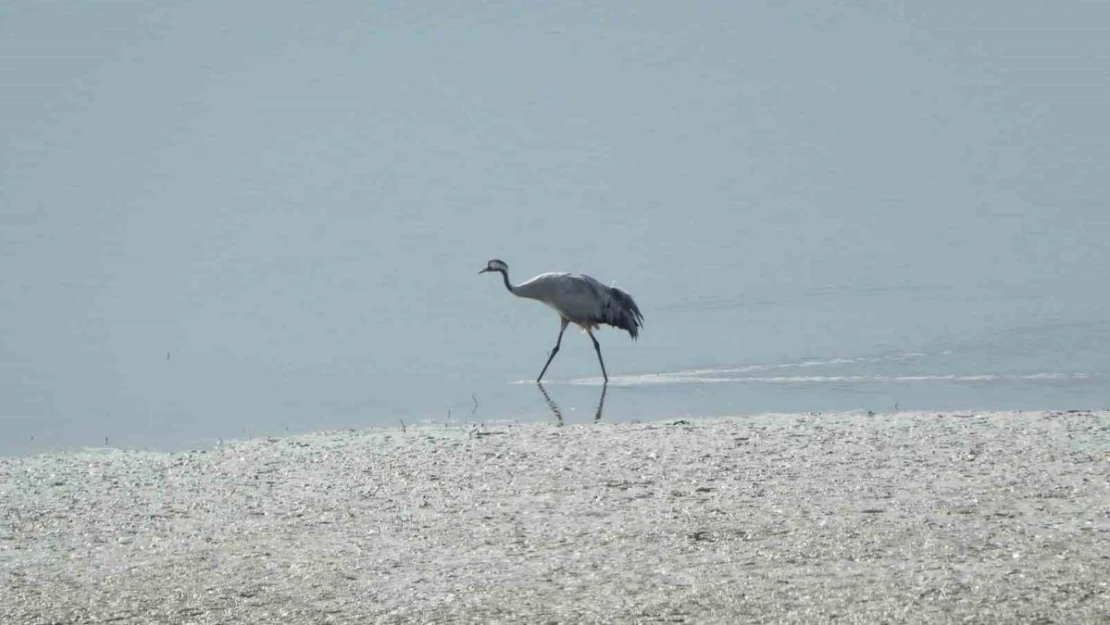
483 271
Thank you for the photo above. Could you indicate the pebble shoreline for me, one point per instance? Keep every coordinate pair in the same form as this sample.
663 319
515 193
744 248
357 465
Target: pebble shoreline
856 518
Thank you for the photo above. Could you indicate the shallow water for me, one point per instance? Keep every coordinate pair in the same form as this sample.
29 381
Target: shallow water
212 230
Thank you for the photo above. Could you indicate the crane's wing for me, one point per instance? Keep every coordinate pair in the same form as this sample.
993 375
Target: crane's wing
584 301
623 312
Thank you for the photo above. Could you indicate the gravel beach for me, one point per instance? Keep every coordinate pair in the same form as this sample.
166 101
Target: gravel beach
853 518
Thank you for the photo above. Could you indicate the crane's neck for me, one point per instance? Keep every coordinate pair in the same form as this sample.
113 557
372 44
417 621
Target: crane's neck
527 290
508 285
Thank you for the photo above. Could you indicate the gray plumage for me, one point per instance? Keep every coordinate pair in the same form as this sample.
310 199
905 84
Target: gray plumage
578 299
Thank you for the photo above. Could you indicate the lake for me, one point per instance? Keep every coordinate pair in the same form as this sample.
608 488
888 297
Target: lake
229 220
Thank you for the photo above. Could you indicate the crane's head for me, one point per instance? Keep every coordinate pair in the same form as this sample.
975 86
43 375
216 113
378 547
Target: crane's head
495 265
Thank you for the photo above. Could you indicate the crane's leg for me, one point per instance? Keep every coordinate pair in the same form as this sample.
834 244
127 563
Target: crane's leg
597 348
558 342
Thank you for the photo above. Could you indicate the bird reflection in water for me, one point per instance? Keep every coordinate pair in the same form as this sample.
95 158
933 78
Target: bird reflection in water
559 413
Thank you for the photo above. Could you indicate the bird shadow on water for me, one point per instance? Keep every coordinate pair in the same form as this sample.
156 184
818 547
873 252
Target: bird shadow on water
558 411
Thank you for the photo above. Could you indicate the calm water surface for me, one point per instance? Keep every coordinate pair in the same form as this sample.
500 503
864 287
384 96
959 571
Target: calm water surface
213 229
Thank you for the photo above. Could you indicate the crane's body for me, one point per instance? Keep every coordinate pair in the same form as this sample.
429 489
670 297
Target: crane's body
584 301
578 299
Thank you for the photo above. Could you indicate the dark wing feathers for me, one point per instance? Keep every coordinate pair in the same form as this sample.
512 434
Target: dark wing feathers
622 312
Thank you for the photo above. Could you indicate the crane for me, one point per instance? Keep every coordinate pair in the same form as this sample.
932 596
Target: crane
578 299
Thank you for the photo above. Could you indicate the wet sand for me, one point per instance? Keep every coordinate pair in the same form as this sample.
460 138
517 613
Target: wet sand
931 518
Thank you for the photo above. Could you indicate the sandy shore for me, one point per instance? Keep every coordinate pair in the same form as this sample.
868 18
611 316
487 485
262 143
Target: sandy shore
778 518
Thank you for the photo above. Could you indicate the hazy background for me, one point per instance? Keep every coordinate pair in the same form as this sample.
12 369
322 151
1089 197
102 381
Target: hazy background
235 218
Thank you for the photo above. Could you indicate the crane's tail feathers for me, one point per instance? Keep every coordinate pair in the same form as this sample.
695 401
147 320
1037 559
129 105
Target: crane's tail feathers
622 312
